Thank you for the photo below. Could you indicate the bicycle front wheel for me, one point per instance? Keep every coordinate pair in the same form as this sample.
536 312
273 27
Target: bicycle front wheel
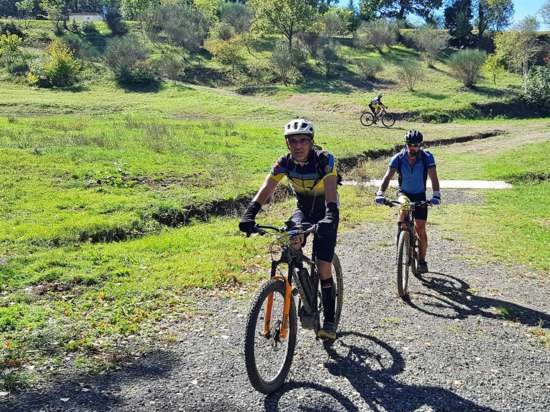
366 118
339 283
268 355
388 119
403 262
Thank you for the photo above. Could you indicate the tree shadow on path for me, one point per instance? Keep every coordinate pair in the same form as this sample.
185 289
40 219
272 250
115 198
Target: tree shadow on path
93 392
454 299
371 366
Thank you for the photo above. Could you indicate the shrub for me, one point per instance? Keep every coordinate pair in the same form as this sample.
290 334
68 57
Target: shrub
73 42
328 56
170 64
127 57
89 27
11 56
335 22
311 40
466 65
182 25
377 33
369 68
225 31
283 63
410 73
10 27
229 53
537 89
61 70
431 42
237 15
493 67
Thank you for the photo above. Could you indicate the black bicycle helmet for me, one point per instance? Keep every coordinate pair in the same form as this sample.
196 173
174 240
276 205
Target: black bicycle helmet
413 137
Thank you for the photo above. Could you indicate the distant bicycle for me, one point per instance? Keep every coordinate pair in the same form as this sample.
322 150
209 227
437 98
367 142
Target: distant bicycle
368 119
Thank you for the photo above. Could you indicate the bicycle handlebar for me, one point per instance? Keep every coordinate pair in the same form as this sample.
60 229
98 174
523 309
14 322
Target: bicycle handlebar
392 203
263 230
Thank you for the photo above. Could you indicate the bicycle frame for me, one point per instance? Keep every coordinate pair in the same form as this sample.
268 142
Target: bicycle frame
294 259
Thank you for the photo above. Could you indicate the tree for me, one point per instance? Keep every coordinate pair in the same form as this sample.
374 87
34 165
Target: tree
457 19
518 48
493 67
398 8
493 15
545 12
286 17
58 13
377 33
431 42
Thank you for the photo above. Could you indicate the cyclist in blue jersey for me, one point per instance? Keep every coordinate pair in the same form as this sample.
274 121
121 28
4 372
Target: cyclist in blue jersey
413 166
313 177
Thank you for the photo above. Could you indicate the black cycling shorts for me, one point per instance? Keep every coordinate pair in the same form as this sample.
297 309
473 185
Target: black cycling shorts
323 246
420 213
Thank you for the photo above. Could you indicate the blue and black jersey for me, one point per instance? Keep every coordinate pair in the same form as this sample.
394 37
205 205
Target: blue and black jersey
412 179
307 180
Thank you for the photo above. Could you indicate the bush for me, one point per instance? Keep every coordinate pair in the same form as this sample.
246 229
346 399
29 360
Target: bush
59 69
311 41
170 64
62 68
431 42
369 68
537 89
410 73
237 15
225 31
182 25
73 42
328 57
283 63
228 53
335 22
127 57
89 27
11 56
466 65
10 27
377 33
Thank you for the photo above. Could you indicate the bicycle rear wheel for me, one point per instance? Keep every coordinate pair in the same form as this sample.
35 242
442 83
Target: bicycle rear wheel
367 118
388 119
403 262
268 356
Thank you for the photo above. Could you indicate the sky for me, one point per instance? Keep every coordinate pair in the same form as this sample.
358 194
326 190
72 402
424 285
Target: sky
522 8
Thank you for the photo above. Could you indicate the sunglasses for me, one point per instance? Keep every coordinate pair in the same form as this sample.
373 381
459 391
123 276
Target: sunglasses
298 141
413 144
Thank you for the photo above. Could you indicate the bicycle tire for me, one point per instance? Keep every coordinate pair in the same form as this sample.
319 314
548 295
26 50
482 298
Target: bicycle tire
388 119
339 282
403 263
258 382
366 118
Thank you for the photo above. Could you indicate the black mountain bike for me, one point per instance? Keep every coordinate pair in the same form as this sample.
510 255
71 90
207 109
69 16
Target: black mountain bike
407 245
368 118
271 327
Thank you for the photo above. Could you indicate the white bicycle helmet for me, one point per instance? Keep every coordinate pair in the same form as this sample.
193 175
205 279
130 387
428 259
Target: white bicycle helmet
299 126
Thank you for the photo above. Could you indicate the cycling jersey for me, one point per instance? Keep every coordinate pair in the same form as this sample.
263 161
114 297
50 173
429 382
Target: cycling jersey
307 180
412 179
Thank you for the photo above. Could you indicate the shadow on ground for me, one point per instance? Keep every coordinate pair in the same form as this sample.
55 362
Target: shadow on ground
452 298
371 366
98 392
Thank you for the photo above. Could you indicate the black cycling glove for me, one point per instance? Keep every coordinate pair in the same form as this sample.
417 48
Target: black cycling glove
329 223
248 221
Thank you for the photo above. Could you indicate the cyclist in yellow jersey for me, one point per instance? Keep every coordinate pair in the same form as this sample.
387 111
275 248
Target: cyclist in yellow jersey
376 106
313 177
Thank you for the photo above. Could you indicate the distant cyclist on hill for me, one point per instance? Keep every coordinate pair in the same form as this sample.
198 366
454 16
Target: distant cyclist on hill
413 166
376 106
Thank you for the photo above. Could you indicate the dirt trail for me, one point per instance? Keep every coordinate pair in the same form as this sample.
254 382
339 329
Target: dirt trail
463 343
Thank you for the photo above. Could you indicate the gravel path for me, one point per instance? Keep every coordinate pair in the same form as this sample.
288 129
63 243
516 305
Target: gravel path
462 343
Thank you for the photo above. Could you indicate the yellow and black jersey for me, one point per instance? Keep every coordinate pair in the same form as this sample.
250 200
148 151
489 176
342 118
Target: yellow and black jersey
308 179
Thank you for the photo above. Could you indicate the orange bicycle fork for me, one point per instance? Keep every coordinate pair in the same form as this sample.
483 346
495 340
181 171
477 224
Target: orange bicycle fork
283 333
